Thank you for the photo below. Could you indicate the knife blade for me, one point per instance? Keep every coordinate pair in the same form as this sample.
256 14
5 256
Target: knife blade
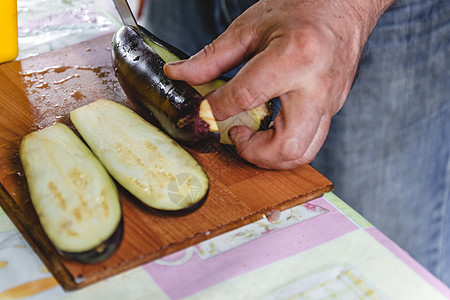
125 13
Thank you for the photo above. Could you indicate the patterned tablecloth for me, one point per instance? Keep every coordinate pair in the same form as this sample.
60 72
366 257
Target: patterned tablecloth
319 250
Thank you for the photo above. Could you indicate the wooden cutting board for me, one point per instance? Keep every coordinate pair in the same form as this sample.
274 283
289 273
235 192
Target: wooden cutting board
41 90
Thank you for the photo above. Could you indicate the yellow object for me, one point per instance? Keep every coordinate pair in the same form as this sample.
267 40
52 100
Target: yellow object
8 30
30 288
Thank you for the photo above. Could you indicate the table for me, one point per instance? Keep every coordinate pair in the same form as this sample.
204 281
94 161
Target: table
318 250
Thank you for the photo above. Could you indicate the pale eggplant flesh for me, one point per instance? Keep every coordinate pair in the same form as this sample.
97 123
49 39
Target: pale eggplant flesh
76 201
143 159
179 108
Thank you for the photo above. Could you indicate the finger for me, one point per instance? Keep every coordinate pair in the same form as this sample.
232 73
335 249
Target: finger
299 132
223 54
312 150
260 79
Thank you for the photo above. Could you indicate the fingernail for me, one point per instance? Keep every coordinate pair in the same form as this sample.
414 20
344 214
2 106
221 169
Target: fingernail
175 63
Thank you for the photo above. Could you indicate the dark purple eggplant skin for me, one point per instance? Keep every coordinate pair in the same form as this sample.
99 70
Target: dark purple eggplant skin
174 104
99 253
181 212
162 212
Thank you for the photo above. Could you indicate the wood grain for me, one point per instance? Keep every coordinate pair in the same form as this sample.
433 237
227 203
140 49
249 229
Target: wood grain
41 90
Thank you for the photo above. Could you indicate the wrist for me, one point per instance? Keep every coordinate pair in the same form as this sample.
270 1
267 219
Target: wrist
367 12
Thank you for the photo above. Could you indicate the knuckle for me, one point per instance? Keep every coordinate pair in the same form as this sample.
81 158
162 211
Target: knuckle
306 44
311 39
293 150
290 149
245 99
209 49
306 159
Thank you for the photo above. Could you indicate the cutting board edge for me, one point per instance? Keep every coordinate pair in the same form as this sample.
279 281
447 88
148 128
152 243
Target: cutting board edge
199 237
54 262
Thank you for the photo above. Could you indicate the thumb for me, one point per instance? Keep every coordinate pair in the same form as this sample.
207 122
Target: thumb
222 55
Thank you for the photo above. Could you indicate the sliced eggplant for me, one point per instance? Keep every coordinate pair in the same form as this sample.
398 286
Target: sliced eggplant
180 108
143 159
74 197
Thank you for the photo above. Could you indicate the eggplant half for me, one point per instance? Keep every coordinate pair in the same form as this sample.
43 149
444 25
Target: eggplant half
142 158
74 197
180 109
175 104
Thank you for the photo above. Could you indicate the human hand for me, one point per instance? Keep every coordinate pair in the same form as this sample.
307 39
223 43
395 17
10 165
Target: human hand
305 52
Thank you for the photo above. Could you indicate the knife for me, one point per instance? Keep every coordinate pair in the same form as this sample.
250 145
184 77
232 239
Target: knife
126 14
